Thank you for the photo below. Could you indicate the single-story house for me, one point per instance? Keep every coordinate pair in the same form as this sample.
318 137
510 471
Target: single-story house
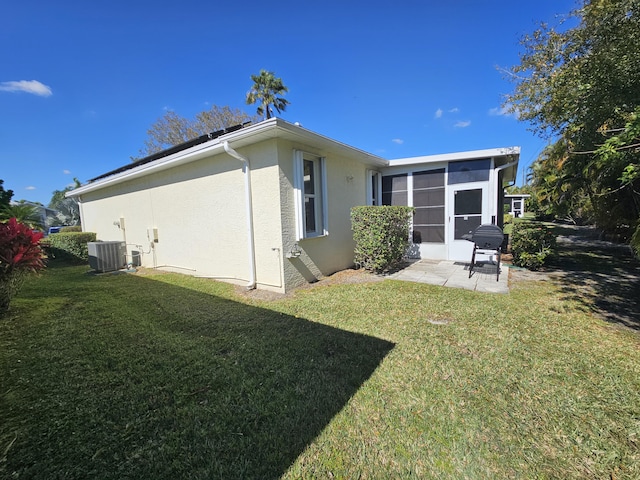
269 204
516 203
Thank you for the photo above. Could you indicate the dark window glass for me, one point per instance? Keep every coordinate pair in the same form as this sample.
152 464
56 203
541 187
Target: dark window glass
310 214
309 179
468 202
469 171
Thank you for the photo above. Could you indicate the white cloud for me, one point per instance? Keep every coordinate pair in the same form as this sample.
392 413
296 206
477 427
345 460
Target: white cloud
399 141
503 111
30 187
66 172
454 110
27 86
438 113
500 111
462 124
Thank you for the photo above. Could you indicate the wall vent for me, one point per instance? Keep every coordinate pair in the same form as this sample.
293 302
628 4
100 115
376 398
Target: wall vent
106 256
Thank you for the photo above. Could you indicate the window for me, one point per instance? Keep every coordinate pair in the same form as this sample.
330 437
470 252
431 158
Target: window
373 188
310 195
469 171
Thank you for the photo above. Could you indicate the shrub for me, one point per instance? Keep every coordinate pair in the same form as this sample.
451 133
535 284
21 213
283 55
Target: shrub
71 228
381 235
531 245
71 245
20 254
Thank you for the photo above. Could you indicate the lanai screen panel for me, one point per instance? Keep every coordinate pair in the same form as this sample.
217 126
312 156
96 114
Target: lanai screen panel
428 201
394 190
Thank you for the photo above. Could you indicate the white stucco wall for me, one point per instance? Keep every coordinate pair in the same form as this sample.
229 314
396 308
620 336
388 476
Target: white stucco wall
198 210
346 188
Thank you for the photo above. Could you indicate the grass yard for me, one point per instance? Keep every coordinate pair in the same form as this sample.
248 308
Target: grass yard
122 376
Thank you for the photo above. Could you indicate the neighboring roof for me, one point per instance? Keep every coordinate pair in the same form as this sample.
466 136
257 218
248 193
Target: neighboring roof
208 145
42 208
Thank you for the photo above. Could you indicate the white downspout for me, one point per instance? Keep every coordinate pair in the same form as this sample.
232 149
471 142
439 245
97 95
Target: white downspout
249 212
496 172
507 165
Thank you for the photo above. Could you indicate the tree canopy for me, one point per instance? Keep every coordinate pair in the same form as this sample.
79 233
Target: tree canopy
5 195
578 85
266 91
172 129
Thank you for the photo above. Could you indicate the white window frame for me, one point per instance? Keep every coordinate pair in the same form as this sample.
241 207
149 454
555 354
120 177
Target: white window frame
320 195
374 193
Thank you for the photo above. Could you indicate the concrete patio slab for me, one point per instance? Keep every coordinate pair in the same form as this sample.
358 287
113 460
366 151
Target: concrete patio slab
456 275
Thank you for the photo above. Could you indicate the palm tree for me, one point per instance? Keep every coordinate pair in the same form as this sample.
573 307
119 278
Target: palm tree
23 213
265 90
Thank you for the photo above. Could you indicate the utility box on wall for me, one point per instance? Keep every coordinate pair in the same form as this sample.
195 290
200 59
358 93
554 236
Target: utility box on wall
106 256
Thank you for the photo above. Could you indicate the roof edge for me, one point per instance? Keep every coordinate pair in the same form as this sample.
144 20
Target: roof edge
454 156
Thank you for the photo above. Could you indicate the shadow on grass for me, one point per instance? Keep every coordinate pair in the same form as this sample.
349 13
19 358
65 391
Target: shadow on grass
604 276
132 377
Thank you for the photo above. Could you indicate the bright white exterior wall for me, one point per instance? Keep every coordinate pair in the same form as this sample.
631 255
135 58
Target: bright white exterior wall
194 199
198 211
327 254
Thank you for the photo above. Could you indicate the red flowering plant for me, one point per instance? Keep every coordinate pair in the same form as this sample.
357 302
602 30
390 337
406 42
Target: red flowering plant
20 254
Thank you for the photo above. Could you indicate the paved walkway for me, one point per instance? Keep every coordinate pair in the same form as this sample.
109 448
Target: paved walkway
456 275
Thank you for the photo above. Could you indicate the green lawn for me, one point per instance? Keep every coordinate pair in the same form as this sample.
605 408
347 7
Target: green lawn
167 376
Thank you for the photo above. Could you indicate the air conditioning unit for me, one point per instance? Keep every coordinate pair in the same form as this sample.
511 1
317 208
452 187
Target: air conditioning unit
106 256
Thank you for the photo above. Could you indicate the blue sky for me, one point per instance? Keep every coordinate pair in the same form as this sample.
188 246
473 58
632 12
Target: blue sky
81 82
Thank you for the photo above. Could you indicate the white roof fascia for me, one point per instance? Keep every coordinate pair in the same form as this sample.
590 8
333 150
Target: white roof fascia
191 154
278 128
271 128
456 156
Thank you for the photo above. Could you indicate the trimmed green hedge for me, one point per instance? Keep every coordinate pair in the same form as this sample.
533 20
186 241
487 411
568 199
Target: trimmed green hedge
71 228
71 245
381 235
531 245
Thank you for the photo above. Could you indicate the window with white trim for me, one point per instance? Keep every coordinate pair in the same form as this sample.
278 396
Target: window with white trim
311 196
374 186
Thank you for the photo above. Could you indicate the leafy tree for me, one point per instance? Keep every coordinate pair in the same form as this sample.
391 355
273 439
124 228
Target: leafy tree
265 91
579 87
5 195
172 129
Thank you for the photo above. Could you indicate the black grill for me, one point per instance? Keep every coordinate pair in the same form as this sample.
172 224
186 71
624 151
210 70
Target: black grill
487 240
